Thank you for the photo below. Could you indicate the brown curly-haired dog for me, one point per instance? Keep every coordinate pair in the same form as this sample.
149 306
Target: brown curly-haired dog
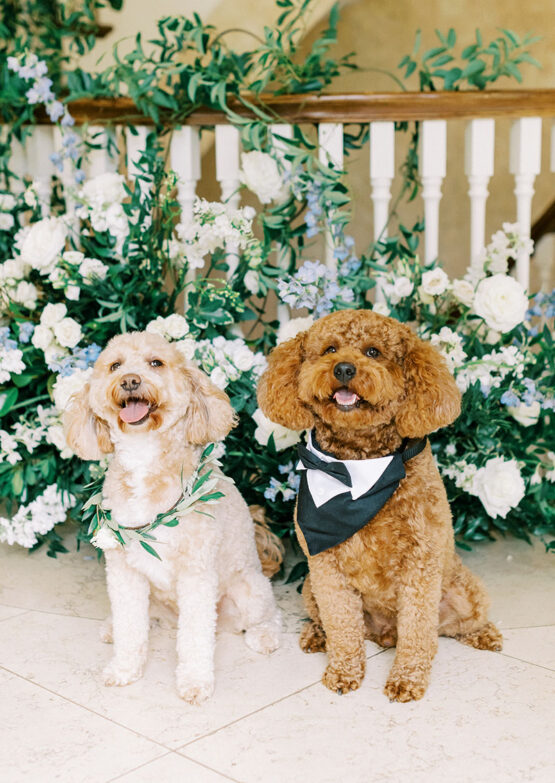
398 580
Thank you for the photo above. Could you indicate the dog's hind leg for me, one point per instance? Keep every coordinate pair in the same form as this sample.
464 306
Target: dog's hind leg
313 637
129 597
463 611
257 614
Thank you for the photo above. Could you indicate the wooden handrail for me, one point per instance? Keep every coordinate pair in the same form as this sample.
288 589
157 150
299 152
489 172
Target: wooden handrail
344 107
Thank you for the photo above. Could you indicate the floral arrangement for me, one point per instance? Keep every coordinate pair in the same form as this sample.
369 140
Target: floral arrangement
86 261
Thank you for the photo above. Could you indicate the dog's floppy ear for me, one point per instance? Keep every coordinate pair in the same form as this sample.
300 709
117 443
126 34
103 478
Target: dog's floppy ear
86 434
278 388
433 399
209 416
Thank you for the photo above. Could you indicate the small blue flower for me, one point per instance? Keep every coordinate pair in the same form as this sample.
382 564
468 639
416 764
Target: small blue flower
509 398
55 110
79 176
67 120
26 329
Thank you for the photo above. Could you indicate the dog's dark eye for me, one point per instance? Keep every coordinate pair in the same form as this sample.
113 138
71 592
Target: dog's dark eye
156 363
115 366
372 352
330 349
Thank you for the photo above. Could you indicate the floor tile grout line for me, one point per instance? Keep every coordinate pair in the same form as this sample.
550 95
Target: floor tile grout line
134 769
13 616
265 706
56 614
530 663
211 769
87 709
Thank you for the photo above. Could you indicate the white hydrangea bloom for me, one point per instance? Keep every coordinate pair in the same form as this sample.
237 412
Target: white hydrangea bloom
8 448
37 518
11 362
103 190
283 437
499 486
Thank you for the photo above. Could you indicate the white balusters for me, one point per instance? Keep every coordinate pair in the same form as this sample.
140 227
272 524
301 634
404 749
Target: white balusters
433 157
283 252
100 161
382 171
227 174
479 149
136 145
185 161
330 141
525 164
39 146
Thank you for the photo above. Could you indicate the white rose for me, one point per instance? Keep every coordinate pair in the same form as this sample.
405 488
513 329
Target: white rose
6 221
72 292
13 269
499 486
42 337
293 327
103 190
104 539
92 269
251 281
403 286
526 414
381 308
73 256
283 437
43 243
243 358
218 378
463 291
68 332
176 326
26 294
260 173
501 301
435 282
53 313
66 387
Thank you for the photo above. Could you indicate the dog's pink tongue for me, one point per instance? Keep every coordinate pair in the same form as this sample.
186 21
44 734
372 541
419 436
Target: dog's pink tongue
135 410
345 397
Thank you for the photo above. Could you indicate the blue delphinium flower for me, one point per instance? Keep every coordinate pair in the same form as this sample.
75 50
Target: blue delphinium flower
26 329
509 398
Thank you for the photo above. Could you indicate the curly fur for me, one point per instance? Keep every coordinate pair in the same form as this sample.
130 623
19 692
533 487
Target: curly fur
398 580
207 562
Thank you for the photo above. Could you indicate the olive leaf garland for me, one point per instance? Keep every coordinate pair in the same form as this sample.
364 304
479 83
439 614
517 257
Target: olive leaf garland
198 488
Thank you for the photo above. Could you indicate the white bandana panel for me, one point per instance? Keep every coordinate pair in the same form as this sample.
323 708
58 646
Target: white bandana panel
364 474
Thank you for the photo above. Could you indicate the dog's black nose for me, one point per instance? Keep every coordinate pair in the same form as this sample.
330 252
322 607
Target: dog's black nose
344 371
130 382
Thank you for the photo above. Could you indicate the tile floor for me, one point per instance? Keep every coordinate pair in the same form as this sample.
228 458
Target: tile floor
486 716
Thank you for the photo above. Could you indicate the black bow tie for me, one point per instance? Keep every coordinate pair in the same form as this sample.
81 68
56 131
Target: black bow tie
341 517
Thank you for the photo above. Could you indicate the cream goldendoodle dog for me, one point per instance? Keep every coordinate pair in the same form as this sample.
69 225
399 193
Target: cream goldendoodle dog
155 413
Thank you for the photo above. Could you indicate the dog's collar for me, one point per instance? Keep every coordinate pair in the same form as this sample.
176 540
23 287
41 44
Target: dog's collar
339 497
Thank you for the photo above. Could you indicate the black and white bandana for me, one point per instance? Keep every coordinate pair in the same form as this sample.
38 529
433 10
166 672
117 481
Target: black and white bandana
339 497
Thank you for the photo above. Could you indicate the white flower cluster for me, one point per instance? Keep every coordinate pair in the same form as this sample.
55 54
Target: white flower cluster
283 437
501 301
55 332
36 518
66 386
14 287
11 357
173 327
449 344
47 426
41 244
292 327
101 203
261 174
214 225
225 360
505 244
7 204
8 448
498 484
490 370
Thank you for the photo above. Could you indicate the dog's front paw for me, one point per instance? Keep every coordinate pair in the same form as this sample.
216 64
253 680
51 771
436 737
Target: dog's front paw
122 672
194 690
265 637
345 679
106 635
312 638
405 684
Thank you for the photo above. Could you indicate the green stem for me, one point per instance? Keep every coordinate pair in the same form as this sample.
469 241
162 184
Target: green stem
27 402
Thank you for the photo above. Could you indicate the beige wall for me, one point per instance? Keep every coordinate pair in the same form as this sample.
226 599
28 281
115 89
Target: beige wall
381 32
